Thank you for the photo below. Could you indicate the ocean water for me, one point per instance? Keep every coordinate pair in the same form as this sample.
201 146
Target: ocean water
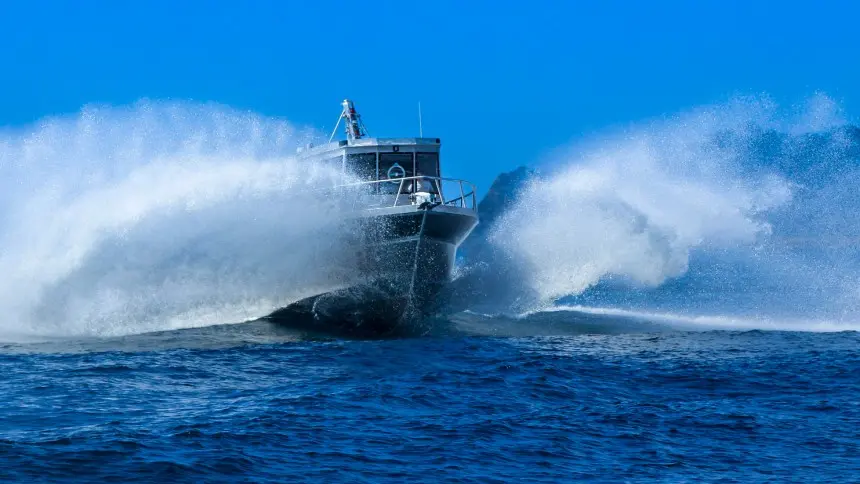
675 302
258 402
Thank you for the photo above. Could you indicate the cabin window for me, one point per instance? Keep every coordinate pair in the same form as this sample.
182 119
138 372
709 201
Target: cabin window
393 166
362 165
427 164
333 162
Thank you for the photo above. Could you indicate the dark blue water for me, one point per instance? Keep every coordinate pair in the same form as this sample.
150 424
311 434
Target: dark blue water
261 403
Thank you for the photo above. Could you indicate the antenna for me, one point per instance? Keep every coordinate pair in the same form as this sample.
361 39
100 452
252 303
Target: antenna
420 126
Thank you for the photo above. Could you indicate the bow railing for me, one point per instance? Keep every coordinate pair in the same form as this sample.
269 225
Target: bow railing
416 190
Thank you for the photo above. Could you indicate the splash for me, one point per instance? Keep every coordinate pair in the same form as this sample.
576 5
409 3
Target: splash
159 216
655 321
726 210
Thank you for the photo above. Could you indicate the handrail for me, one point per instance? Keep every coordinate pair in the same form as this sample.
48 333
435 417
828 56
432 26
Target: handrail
451 202
466 193
417 177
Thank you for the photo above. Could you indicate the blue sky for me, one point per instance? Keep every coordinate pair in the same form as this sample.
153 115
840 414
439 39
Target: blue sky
500 82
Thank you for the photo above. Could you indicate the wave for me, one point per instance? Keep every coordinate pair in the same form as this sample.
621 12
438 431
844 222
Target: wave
159 216
744 210
704 322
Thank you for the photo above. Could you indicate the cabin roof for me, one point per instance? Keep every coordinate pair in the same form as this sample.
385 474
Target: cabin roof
369 142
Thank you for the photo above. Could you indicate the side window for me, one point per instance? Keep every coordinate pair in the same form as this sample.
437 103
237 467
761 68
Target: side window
362 165
334 162
331 164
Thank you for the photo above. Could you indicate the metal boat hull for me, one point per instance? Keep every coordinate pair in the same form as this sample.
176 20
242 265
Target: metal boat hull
406 256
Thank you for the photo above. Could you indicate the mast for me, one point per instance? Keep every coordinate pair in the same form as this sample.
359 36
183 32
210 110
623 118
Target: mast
355 128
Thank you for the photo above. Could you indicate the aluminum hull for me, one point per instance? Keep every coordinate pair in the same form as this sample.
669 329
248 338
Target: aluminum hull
406 256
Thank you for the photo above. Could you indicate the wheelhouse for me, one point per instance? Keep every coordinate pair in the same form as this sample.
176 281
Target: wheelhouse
403 171
383 160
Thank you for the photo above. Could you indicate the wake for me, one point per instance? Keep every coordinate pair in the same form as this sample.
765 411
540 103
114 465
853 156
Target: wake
168 216
158 217
684 322
725 216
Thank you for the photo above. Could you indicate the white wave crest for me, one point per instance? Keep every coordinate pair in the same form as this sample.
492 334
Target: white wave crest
158 216
634 206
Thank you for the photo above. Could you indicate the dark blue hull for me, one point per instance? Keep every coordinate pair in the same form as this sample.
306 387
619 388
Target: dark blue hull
406 258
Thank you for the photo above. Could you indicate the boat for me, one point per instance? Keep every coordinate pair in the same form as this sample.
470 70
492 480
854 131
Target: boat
408 221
